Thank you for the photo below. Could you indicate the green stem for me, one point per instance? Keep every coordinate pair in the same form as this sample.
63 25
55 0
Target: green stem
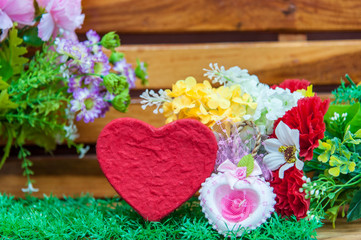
7 147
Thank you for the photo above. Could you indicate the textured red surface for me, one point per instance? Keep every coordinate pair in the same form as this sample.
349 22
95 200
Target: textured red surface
156 170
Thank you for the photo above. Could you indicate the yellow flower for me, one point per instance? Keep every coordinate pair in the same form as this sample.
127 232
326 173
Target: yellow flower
307 93
207 104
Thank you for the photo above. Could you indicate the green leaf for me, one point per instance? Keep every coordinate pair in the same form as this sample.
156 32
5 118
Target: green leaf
6 70
141 72
354 212
355 122
16 52
358 133
332 214
30 36
353 118
3 85
5 102
247 161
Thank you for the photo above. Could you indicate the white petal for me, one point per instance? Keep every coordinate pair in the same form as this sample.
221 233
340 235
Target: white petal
272 145
287 136
285 168
274 160
299 164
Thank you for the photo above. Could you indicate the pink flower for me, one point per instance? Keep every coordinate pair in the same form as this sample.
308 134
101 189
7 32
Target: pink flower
241 172
20 11
64 15
238 205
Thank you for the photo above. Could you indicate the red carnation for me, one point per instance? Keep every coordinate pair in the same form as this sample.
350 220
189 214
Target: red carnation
293 84
289 200
307 118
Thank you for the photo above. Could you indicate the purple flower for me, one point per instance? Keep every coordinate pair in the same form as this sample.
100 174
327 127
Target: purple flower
92 36
92 42
233 148
101 64
80 58
126 69
88 104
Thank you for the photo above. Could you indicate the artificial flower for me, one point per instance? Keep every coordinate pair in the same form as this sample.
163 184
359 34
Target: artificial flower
20 11
307 118
237 206
190 99
126 69
88 104
61 16
283 150
293 84
289 200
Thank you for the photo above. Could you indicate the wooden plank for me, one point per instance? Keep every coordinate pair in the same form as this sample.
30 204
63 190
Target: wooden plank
343 230
321 62
60 175
88 132
215 15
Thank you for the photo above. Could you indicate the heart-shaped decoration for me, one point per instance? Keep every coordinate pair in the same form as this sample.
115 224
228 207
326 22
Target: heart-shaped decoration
229 208
156 170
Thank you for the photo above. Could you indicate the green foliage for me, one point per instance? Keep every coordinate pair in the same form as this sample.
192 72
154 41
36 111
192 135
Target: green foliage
32 106
354 211
141 72
248 162
112 218
336 124
347 94
13 52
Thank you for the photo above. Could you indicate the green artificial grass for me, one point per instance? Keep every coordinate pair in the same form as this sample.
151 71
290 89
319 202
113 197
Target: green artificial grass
90 218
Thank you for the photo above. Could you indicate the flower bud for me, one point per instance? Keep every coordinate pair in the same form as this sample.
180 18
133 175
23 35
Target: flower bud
110 40
121 101
116 57
115 84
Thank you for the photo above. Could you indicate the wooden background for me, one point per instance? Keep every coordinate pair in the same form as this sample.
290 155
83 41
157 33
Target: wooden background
274 39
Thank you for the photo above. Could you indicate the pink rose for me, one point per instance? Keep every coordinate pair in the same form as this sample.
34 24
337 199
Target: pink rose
20 11
238 205
64 15
241 173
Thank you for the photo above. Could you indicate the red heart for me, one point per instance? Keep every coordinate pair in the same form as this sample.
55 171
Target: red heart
156 170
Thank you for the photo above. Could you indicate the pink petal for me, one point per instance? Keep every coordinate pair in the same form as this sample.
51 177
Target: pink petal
226 166
5 24
21 11
46 27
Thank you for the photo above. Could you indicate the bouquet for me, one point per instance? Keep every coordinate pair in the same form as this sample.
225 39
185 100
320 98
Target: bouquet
48 79
282 150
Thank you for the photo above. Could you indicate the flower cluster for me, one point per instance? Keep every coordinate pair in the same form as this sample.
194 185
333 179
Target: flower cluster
93 86
189 99
63 81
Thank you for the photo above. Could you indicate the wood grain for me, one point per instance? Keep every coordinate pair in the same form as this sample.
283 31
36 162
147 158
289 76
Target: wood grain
221 15
60 175
321 62
343 230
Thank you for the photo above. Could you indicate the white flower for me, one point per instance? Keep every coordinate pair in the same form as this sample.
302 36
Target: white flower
83 151
282 151
152 98
30 188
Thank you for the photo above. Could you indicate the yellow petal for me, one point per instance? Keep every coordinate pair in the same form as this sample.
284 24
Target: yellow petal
335 171
351 166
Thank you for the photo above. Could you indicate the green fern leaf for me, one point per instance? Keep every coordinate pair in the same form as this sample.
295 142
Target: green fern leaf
16 52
